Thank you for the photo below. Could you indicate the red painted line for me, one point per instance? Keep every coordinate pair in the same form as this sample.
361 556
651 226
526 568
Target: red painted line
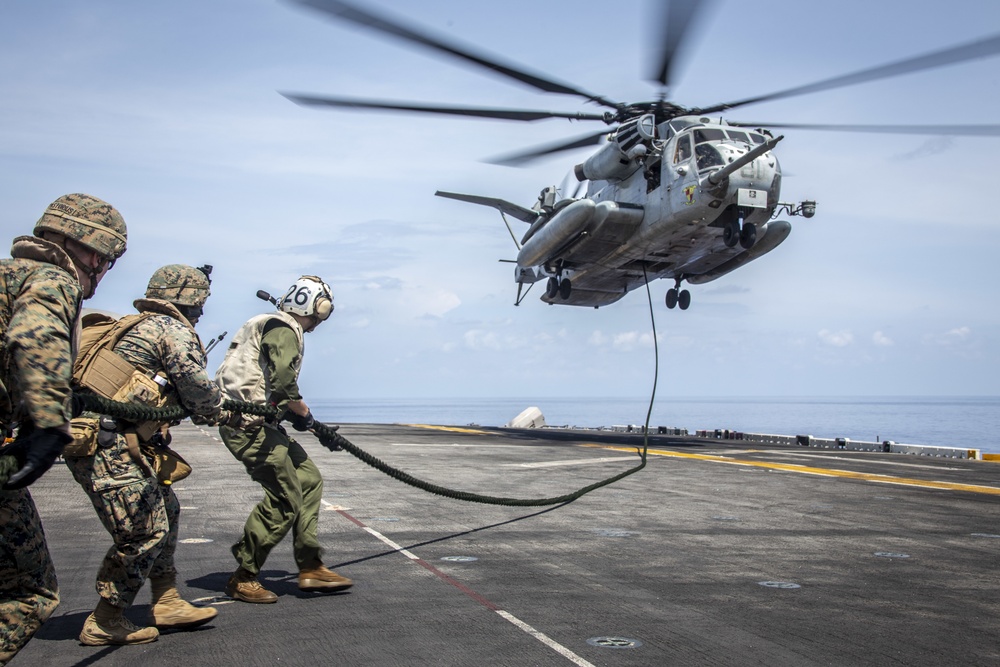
433 570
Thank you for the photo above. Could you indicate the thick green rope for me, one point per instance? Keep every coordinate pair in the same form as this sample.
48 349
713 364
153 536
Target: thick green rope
331 439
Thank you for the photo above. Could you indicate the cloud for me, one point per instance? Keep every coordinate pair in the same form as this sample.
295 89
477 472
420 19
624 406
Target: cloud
881 339
836 338
952 337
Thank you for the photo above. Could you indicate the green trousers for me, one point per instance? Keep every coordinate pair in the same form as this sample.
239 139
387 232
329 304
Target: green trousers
292 487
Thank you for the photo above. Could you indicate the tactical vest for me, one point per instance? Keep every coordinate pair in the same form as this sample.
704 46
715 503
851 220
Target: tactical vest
243 374
102 370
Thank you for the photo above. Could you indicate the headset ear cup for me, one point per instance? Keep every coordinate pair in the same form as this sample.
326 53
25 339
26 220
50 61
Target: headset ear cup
323 308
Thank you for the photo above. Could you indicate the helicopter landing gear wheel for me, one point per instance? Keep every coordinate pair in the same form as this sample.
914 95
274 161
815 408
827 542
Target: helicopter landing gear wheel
684 299
731 233
748 236
552 288
565 288
672 298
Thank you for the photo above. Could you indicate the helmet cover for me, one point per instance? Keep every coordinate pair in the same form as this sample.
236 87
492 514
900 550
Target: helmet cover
88 220
179 284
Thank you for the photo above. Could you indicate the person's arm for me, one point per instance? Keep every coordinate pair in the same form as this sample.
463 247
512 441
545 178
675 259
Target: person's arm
40 343
280 346
181 356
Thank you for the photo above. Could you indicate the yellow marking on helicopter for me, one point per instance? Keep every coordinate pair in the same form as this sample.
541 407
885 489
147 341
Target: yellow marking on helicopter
689 194
452 429
824 472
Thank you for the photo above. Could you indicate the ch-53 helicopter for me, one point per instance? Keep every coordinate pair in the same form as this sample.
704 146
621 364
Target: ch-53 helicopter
674 192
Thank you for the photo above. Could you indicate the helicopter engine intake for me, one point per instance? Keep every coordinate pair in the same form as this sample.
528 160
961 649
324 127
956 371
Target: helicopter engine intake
623 155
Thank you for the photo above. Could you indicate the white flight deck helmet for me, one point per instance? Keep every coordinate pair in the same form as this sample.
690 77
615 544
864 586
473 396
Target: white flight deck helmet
309 296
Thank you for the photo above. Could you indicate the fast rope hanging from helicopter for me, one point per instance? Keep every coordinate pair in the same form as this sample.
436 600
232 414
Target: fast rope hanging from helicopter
334 441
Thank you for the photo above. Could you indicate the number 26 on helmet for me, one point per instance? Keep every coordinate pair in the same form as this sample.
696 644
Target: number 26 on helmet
309 296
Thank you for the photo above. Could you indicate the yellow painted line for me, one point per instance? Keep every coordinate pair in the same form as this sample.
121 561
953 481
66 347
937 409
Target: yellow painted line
452 429
825 472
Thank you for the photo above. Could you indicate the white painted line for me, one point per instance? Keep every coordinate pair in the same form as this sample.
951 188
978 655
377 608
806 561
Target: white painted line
554 645
395 547
569 462
543 638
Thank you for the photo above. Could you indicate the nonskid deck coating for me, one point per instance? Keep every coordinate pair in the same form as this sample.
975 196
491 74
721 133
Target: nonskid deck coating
716 553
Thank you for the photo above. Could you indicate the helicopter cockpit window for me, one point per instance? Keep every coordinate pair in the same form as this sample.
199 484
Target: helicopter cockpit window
708 134
736 135
708 156
683 151
680 124
757 138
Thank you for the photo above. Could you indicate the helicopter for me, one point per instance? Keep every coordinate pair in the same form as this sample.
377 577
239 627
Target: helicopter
672 192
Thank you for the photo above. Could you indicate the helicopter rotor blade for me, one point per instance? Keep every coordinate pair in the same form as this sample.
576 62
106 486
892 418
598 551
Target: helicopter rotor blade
951 130
397 28
522 158
982 48
481 112
676 19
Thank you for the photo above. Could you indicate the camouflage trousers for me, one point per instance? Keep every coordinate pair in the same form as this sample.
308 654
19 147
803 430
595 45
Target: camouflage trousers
292 487
28 589
141 515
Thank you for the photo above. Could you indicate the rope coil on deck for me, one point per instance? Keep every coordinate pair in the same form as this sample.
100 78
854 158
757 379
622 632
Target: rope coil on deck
135 412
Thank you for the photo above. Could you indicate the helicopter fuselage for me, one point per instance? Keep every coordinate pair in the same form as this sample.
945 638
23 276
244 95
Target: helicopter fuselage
653 211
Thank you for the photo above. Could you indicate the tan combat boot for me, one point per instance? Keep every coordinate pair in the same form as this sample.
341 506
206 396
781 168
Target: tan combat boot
170 610
318 578
107 626
243 585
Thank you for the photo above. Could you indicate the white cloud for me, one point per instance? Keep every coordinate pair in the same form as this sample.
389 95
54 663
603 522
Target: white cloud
881 339
597 338
836 338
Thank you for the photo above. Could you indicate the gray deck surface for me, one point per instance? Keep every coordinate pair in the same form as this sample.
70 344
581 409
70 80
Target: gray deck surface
896 558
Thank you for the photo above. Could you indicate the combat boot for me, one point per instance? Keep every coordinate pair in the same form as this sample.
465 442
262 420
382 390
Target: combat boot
170 610
107 626
318 578
243 585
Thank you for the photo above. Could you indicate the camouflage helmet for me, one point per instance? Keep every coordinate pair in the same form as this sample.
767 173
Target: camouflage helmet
179 284
87 220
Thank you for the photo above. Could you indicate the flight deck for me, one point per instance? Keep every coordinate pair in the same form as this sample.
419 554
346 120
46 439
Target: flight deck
715 553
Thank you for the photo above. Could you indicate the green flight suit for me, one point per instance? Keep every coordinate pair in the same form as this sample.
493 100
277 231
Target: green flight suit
293 486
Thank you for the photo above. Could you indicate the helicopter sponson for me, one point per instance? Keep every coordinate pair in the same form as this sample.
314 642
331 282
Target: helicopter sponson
572 222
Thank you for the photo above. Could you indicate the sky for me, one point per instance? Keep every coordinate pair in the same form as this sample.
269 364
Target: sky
172 113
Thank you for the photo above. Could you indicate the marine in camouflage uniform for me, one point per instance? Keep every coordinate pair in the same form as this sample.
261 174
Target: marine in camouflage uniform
76 241
141 514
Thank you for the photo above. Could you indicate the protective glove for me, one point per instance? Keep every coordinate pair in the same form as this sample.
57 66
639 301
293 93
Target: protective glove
327 437
301 422
76 405
36 453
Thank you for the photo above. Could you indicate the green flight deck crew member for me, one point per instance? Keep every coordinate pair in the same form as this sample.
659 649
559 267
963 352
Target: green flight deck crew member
164 364
262 367
75 242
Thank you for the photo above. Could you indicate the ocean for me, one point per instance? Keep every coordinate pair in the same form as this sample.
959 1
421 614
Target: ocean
949 421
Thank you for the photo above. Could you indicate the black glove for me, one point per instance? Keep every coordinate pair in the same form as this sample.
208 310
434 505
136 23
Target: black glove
36 453
302 422
328 437
76 405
